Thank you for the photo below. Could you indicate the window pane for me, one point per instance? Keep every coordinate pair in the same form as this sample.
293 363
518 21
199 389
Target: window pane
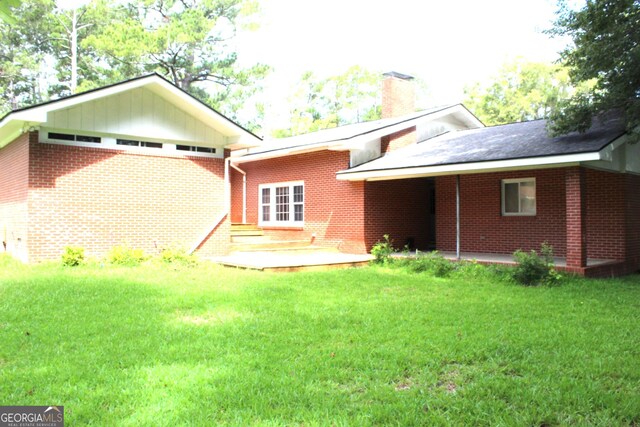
84 138
151 144
511 197
266 196
282 203
299 215
527 197
62 136
266 214
127 142
298 194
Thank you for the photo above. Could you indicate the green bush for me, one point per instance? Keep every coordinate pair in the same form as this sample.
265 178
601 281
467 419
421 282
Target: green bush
124 255
432 262
534 269
382 250
73 256
173 255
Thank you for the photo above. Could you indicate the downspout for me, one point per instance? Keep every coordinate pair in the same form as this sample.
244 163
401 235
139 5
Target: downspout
244 190
458 217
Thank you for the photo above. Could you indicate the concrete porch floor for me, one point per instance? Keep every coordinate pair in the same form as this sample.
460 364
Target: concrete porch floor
508 258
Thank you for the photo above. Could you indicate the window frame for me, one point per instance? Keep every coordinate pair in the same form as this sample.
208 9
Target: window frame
272 204
518 181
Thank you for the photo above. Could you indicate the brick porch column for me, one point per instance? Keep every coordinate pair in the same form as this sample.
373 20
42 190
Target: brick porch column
576 218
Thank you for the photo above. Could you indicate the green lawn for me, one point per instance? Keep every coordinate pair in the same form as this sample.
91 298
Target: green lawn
160 345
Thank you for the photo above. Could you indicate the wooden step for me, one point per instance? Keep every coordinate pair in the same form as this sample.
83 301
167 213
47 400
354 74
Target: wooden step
256 232
269 245
242 226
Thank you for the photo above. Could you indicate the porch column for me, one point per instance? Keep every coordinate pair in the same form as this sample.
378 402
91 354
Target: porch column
576 218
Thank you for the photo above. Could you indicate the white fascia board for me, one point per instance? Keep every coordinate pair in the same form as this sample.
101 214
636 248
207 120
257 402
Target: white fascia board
467 168
278 153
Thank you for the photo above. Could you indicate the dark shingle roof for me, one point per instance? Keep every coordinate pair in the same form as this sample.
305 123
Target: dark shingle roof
507 142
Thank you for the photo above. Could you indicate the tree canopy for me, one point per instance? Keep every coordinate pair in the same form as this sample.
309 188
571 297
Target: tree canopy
49 52
605 52
520 91
322 103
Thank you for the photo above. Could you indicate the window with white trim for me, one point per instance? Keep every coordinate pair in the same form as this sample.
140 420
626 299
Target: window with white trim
519 197
282 204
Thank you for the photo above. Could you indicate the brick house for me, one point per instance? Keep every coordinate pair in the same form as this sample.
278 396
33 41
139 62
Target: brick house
138 163
439 179
145 164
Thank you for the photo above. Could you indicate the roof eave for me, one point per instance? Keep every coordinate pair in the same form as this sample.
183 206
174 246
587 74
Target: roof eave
470 168
355 141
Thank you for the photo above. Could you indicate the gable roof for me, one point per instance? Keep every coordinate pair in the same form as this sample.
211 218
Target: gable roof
349 136
515 145
16 122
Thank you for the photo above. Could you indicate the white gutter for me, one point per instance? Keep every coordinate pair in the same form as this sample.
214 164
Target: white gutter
467 168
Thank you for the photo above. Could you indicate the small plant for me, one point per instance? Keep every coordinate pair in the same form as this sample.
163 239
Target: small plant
432 262
176 255
382 250
73 256
533 269
124 255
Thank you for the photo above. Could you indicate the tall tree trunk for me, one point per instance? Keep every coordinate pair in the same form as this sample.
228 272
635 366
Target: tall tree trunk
73 84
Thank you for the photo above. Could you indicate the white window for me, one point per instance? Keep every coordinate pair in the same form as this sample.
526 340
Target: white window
519 197
282 204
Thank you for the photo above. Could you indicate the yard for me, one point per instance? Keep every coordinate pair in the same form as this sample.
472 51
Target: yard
164 345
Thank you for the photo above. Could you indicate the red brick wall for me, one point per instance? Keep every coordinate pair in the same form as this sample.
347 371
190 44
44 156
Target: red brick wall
334 210
399 208
605 196
236 194
98 198
484 229
14 185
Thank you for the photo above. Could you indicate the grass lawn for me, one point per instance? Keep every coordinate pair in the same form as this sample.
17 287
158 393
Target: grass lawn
160 345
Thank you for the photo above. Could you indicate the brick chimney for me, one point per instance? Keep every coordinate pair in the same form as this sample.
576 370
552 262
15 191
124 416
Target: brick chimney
398 99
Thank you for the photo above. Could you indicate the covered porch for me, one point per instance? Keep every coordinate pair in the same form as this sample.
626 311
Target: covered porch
512 187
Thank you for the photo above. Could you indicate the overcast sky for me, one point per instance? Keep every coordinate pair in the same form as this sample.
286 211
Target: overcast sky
446 43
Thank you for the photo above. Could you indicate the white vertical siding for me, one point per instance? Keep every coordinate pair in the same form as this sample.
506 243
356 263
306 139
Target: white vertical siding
137 113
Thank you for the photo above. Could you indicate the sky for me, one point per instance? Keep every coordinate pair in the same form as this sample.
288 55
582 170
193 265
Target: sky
447 44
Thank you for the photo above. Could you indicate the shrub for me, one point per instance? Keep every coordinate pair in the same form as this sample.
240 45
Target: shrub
73 256
124 255
432 262
176 255
382 250
533 269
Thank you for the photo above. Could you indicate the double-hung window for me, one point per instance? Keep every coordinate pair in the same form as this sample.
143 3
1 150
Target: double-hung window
282 204
519 197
